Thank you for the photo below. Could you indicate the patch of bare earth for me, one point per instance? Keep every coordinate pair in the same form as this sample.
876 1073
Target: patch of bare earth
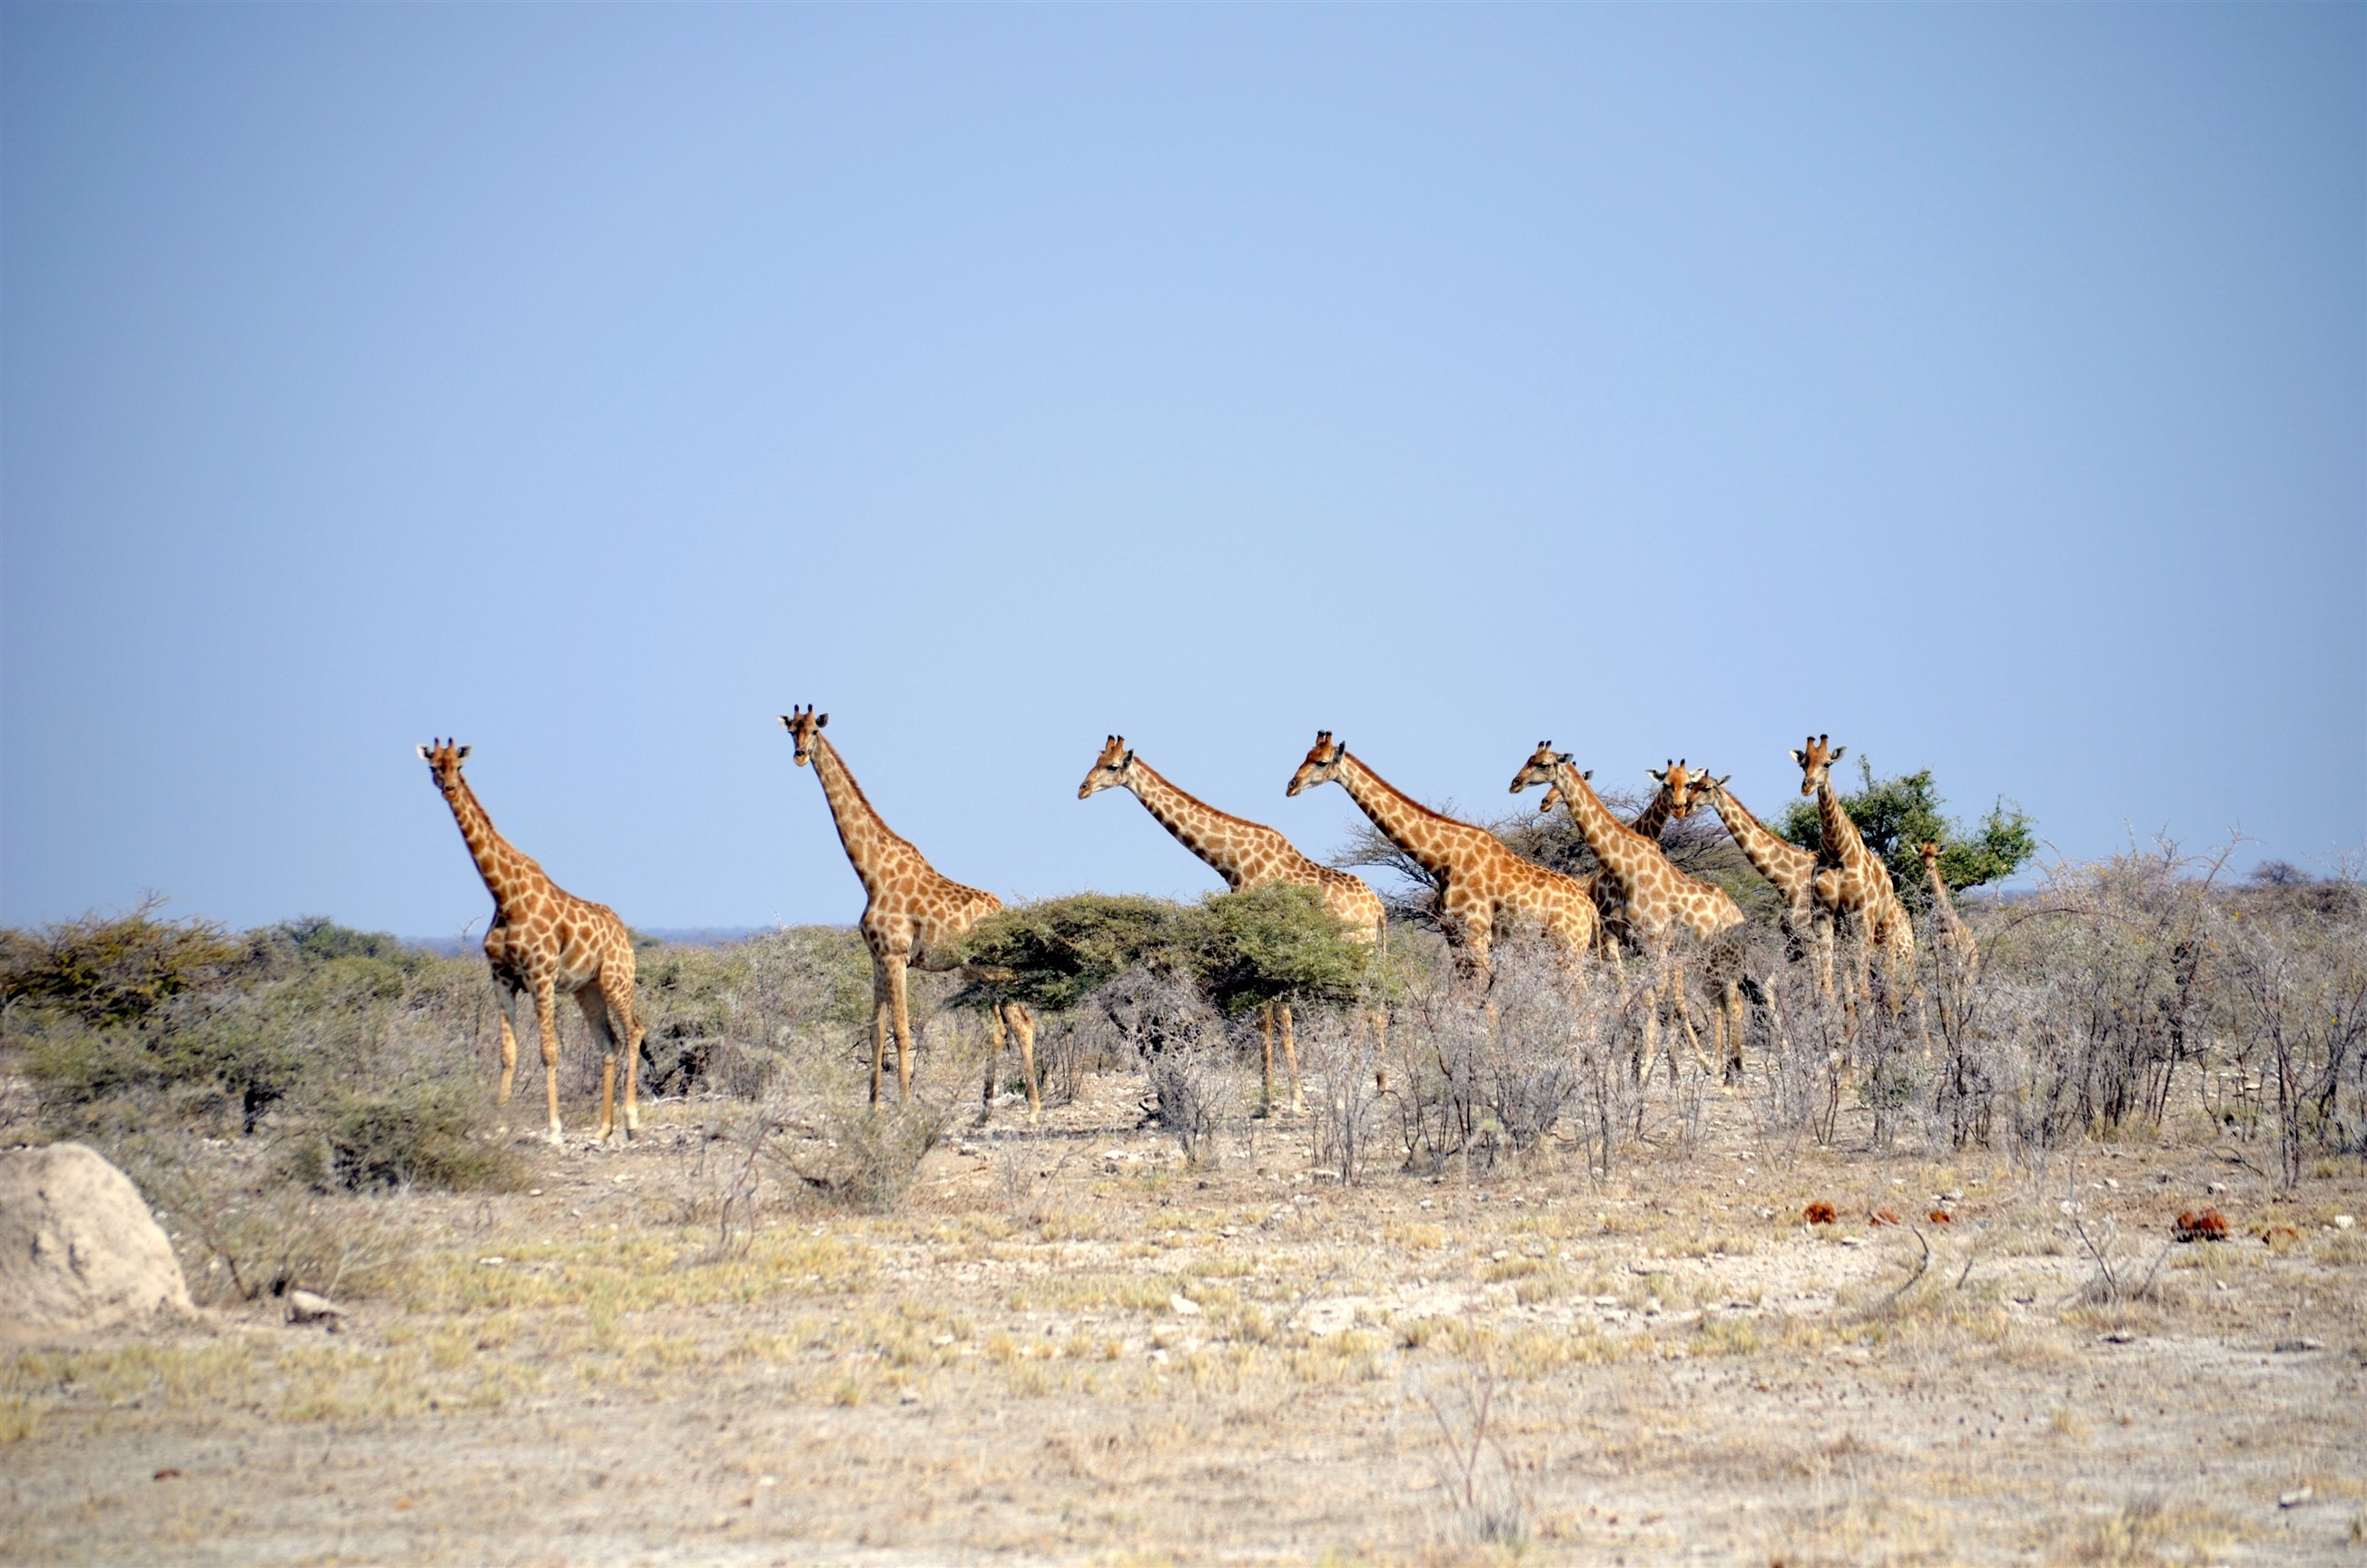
1068 1347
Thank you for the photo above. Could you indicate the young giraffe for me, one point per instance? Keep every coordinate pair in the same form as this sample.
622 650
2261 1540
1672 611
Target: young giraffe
910 914
1791 870
1951 936
545 941
1247 855
1479 881
1651 897
1853 884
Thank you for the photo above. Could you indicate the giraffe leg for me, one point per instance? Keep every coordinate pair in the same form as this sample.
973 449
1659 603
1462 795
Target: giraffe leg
1265 1060
603 1040
898 997
546 1020
996 1029
508 1005
1023 1027
1290 1060
625 1034
881 1009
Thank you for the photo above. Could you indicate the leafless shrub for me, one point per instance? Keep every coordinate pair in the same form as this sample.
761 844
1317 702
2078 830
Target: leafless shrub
1342 1055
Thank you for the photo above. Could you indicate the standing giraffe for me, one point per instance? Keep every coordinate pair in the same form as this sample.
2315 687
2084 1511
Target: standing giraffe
1673 798
1951 936
1852 883
910 914
1651 897
1479 881
545 941
1246 854
1791 870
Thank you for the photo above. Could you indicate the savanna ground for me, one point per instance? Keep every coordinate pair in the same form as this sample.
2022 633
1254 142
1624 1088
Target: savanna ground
1552 1313
1065 1346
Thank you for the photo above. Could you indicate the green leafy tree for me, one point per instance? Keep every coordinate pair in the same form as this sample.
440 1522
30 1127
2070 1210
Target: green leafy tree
1276 942
1052 954
1896 815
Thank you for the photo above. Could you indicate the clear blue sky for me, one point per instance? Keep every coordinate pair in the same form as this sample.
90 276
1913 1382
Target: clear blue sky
1984 385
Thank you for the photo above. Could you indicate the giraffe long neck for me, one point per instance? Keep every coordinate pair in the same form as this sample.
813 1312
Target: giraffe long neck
509 873
1395 813
1842 845
1772 858
1654 817
1943 909
864 837
1619 848
1198 827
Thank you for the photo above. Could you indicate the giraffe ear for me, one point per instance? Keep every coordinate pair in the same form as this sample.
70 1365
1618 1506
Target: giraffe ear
1836 754
1798 758
1659 774
822 722
462 754
424 753
1588 774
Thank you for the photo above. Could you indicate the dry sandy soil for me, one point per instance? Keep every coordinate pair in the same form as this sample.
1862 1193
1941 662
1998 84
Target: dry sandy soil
1068 1347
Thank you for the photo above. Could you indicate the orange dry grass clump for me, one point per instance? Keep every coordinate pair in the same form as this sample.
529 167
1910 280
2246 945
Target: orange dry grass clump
1883 1216
2208 1226
1941 1217
1818 1214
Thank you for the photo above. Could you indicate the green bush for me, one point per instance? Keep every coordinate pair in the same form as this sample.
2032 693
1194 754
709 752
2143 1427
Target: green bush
117 970
1053 954
1278 942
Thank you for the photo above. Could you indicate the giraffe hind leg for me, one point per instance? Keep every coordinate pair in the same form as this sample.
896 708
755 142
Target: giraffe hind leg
546 1021
594 1008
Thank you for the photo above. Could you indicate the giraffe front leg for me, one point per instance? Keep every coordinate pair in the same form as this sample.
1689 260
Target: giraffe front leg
507 1008
1023 1027
546 1020
603 1041
903 1017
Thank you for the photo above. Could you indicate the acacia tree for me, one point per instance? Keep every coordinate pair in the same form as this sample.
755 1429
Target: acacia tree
1896 815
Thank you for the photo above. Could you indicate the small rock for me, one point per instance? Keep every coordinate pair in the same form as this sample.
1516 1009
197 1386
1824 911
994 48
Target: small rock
2343 1221
1849 1241
2296 1497
534 1192
494 1262
2117 1337
2297 1346
942 1340
303 1306
909 1396
1183 1306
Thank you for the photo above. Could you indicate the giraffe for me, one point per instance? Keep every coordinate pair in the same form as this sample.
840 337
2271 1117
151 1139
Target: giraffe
1951 938
1791 870
1246 854
1651 897
1480 882
1673 798
1852 883
545 941
910 914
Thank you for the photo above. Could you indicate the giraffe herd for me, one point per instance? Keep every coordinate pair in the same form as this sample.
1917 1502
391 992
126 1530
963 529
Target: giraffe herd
544 940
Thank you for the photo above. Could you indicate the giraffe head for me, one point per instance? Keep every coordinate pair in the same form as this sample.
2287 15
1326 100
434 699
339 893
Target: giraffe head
1683 784
1540 768
1930 853
1817 762
802 728
1323 763
444 759
1707 786
1109 769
